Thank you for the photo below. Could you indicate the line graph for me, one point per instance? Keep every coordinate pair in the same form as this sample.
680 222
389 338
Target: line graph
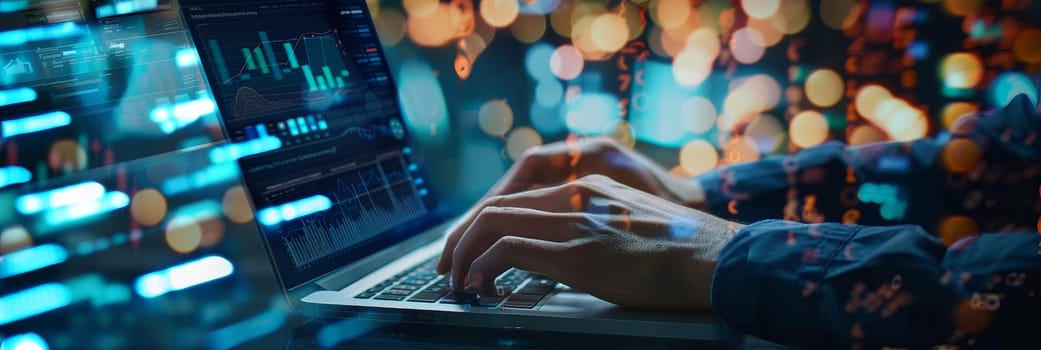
368 199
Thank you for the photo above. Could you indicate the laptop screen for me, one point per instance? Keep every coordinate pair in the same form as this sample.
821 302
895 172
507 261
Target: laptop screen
307 83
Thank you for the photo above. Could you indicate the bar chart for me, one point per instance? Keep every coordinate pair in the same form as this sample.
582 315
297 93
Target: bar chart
369 199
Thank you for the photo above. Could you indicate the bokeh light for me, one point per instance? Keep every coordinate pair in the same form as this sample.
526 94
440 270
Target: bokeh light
961 7
609 32
808 129
955 110
748 97
14 238
520 140
549 93
528 29
766 133
391 26
739 150
419 8
183 234
1008 85
953 228
671 13
747 45
621 131
697 157
691 67
536 61
68 156
566 62
760 8
824 87
495 117
499 13
1027 47
961 155
837 13
961 70
698 114
235 205
148 207
792 17
865 134
868 99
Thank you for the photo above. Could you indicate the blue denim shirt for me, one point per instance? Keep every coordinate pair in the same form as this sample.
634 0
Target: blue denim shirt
920 244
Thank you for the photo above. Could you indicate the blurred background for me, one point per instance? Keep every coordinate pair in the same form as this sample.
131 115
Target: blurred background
121 225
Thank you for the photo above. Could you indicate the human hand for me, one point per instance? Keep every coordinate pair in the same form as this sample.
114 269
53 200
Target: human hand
561 162
597 235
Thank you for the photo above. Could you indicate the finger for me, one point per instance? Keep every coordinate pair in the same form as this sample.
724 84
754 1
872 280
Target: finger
494 223
540 165
560 198
542 257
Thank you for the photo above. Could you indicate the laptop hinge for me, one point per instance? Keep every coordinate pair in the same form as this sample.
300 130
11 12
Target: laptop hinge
344 276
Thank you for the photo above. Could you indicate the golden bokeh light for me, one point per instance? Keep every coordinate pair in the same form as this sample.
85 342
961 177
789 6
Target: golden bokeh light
609 32
868 99
520 140
748 97
391 26
183 235
463 66
747 45
148 207
953 228
1027 47
792 17
529 29
14 238
808 129
704 39
691 67
672 13
67 155
760 8
899 119
824 87
740 150
633 20
499 13
961 7
698 114
235 205
697 157
865 134
961 70
495 117
955 110
961 155
448 23
419 8
560 19
837 13
771 36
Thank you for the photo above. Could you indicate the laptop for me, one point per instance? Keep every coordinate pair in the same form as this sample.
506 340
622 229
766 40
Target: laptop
351 222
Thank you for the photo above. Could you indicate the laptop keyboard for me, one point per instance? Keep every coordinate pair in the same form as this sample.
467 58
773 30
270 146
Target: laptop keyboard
421 284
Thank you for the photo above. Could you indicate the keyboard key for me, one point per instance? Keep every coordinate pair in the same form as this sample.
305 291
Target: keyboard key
398 292
364 295
407 287
534 290
458 298
426 297
526 297
520 304
386 296
488 301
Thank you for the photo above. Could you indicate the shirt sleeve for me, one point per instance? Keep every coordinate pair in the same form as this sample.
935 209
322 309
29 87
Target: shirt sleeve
975 171
850 286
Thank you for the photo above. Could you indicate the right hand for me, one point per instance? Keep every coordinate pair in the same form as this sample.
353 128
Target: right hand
561 162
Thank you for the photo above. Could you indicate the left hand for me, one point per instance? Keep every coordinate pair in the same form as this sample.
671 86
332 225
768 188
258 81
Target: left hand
596 235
